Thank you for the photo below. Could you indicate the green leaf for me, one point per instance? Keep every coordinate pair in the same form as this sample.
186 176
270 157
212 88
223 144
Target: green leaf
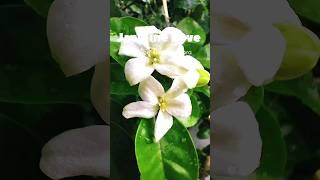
28 74
125 25
204 129
274 156
174 157
191 27
40 6
34 84
203 55
255 97
119 85
114 9
123 89
114 50
304 88
195 115
204 90
187 4
307 8
122 153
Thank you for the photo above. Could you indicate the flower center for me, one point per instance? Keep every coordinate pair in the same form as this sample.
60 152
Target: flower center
153 55
163 104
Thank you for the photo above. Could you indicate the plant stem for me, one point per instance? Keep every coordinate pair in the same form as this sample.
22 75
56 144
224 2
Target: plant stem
166 13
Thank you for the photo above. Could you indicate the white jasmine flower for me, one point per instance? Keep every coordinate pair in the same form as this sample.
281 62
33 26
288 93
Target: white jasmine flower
248 48
236 145
77 33
151 50
175 102
191 71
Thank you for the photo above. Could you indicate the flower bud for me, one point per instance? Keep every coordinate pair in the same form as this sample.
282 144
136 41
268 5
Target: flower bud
302 51
204 77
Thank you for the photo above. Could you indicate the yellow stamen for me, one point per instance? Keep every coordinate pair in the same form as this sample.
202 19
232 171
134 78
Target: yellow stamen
163 104
153 55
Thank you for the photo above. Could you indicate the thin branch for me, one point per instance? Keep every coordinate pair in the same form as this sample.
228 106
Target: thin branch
166 13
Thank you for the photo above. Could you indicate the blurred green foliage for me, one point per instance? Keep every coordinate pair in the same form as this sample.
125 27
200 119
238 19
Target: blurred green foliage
37 102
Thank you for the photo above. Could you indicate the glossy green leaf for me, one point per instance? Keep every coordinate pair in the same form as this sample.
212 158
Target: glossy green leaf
191 27
204 90
274 156
125 25
203 55
174 157
40 6
195 115
307 8
255 97
304 88
123 88
119 85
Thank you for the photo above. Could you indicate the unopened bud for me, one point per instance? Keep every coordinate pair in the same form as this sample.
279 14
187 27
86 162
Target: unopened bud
204 77
302 51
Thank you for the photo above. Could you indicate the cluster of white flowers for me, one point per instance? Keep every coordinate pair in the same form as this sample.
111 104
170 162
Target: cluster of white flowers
167 58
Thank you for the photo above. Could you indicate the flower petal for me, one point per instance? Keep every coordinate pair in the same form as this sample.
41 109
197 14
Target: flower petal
170 70
77 34
177 88
146 31
137 70
175 38
145 35
191 63
132 47
140 109
84 151
230 83
99 90
257 16
150 90
180 107
191 78
260 54
163 124
172 55
236 140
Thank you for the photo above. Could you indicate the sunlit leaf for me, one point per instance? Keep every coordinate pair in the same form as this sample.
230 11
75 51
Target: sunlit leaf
174 157
192 28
